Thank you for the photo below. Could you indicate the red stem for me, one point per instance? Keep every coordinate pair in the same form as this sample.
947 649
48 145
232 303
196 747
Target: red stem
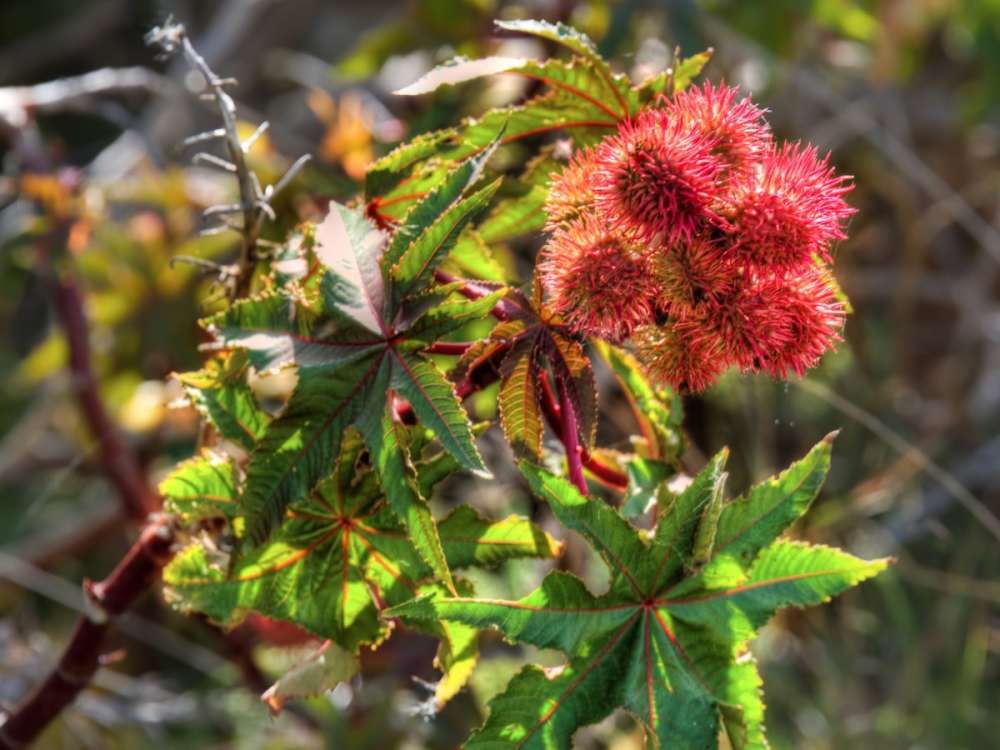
449 347
571 437
550 408
81 657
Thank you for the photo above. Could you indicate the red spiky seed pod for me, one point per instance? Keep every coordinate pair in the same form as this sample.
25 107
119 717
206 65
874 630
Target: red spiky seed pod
790 211
813 318
689 273
750 319
682 354
571 191
736 127
596 280
655 178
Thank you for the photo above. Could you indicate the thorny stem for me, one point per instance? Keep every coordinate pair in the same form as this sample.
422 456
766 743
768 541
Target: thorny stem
252 214
81 657
255 203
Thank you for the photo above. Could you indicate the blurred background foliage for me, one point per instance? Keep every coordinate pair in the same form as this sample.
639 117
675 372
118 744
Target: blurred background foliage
905 93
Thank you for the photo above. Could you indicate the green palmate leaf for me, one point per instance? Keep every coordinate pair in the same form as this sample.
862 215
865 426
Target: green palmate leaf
220 393
432 207
356 347
201 487
416 267
387 172
342 554
668 640
584 99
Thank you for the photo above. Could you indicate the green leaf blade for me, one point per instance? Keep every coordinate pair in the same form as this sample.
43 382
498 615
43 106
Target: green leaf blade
610 534
748 525
787 573
201 487
437 407
415 267
298 448
386 439
350 247
469 539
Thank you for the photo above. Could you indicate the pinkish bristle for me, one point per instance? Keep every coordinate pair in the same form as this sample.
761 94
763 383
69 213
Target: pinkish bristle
596 281
656 178
790 211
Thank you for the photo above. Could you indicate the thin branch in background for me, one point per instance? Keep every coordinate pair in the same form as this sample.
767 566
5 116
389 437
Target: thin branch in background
32 578
254 205
925 463
118 460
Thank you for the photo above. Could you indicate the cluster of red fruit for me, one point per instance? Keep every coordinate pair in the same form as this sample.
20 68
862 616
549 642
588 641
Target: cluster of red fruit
692 234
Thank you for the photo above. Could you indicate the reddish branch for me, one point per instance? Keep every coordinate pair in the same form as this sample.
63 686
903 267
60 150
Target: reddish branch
457 348
477 290
571 438
81 657
119 463
553 415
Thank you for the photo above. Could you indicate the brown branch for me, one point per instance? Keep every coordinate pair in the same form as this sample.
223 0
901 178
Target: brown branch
81 657
119 463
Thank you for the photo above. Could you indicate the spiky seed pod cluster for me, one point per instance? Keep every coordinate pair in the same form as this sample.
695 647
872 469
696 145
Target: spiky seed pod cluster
690 233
